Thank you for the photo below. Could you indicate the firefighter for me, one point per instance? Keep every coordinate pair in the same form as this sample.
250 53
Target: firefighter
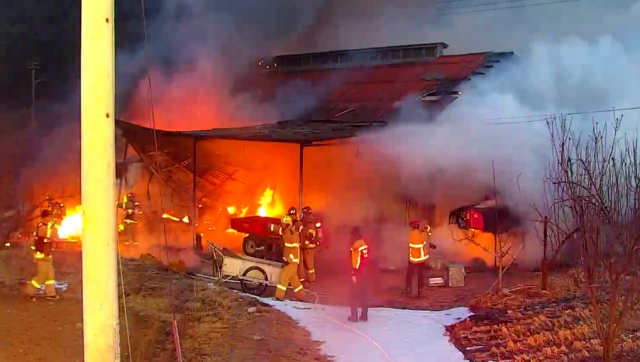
44 260
131 208
359 277
418 255
293 213
291 258
309 242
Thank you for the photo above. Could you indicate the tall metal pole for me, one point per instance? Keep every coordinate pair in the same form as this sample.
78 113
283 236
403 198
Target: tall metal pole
99 254
195 194
300 178
33 67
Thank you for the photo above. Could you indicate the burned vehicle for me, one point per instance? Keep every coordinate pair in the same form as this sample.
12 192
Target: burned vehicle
260 241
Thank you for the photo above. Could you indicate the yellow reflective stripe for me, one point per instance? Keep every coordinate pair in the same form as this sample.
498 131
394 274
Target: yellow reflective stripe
295 245
298 289
282 287
363 248
419 259
39 255
35 284
50 282
295 260
311 271
417 245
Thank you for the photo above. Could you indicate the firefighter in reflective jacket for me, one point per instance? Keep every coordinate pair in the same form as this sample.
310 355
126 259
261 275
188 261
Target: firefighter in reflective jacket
309 241
359 278
291 254
130 223
418 255
43 259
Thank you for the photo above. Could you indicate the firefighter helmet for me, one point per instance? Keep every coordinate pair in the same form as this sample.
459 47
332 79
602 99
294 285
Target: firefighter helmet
292 211
286 220
415 224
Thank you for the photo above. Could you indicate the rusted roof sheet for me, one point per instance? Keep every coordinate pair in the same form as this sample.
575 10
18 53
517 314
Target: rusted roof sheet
299 132
367 93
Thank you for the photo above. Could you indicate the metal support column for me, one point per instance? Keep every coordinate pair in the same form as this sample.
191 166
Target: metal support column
99 237
195 194
301 178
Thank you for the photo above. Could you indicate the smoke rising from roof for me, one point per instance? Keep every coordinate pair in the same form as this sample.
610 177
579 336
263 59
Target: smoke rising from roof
199 49
458 148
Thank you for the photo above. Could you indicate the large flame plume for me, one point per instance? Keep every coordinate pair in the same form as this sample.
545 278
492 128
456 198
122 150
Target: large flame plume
71 225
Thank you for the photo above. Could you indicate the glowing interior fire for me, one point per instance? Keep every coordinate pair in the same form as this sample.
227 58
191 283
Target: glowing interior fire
71 225
168 216
266 199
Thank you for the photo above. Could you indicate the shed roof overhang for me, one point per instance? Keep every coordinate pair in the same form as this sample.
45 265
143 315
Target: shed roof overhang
298 132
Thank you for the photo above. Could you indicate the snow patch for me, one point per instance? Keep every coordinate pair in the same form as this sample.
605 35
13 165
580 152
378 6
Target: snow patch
397 335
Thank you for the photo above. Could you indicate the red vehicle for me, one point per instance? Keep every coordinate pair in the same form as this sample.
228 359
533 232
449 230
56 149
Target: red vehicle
260 241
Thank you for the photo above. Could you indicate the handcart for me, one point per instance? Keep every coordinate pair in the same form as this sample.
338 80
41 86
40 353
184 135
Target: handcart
254 274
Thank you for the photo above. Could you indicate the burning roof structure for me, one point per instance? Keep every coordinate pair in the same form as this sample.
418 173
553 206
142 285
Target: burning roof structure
352 91
366 85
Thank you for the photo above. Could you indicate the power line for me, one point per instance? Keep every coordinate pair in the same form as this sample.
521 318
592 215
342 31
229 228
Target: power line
508 7
546 117
481 4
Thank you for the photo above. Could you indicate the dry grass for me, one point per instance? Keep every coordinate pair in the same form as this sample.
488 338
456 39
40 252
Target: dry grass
529 325
215 324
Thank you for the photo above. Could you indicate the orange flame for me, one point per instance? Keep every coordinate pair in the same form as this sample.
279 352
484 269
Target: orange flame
168 216
267 198
71 225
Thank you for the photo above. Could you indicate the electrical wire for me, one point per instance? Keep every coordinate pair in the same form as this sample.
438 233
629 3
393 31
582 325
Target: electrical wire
174 323
546 117
481 4
507 7
124 295
155 141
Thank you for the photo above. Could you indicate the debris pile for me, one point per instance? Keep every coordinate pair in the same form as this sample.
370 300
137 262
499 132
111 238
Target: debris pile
526 324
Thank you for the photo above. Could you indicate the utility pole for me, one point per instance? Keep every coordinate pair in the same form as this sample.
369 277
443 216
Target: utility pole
33 67
99 243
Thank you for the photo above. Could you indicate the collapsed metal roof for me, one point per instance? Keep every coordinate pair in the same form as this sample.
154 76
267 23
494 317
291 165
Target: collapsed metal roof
298 132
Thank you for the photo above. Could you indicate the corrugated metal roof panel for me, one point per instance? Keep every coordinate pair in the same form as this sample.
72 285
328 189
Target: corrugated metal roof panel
370 91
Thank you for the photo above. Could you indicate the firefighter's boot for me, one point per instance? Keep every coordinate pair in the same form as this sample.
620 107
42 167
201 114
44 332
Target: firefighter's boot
364 317
354 315
407 292
419 292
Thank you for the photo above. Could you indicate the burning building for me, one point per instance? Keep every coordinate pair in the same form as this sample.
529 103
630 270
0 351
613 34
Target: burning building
310 157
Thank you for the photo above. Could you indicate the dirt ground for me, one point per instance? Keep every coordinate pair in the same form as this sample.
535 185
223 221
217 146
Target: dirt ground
215 324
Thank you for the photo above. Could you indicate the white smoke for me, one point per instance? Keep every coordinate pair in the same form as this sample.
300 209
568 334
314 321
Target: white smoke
553 78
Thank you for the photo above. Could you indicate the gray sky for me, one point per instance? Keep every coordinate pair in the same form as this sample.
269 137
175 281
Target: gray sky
364 23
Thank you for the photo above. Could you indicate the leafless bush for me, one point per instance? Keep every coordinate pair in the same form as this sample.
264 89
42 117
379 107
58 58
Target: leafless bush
594 186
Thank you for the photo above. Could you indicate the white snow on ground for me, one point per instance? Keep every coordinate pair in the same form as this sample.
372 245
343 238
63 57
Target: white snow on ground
396 335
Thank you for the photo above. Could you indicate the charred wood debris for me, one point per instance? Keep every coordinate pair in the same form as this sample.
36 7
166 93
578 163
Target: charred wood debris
527 324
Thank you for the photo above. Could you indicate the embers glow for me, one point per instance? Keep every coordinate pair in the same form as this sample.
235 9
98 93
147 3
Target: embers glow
71 225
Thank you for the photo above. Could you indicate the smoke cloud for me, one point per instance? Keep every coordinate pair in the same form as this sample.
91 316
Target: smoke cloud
201 55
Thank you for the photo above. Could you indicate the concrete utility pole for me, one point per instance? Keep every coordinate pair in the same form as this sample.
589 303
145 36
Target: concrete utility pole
99 253
33 67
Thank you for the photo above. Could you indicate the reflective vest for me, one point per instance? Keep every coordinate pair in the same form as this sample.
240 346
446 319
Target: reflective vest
359 255
308 235
291 239
418 251
43 242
